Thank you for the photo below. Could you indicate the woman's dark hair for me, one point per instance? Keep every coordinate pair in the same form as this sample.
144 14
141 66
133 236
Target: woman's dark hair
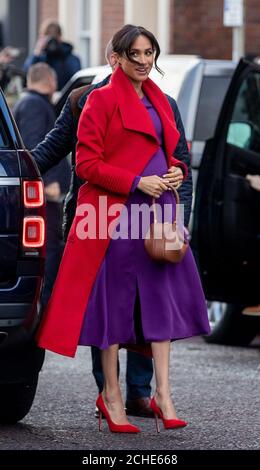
122 42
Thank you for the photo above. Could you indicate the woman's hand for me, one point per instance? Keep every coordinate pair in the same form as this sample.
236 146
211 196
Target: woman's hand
153 185
174 177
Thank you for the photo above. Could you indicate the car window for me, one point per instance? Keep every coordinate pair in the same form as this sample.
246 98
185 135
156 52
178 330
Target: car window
244 128
4 140
212 94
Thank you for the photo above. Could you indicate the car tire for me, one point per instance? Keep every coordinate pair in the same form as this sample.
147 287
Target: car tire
234 328
16 400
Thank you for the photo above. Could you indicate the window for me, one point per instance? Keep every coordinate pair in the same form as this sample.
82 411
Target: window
4 140
244 129
212 95
85 33
89 31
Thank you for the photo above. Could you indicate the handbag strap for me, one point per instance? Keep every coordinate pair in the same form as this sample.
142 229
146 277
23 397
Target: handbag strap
177 198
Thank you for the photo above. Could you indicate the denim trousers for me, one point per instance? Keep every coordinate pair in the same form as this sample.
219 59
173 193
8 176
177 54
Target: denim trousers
54 248
139 373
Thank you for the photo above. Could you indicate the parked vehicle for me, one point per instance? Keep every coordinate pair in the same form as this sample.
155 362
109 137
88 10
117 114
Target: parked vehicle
22 244
199 99
226 230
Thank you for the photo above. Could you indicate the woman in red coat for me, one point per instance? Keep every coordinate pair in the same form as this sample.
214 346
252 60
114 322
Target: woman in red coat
109 292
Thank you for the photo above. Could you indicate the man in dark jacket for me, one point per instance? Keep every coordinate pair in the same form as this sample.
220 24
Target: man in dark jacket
61 140
35 117
56 53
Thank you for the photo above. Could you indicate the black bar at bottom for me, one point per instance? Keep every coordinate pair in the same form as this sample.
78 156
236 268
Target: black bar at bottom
119 459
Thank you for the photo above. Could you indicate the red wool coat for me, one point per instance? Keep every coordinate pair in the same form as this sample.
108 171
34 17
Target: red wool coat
116 140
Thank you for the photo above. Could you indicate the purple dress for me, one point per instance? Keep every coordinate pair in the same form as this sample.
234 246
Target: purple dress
170 297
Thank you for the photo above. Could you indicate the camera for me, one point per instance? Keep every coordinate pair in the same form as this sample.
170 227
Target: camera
52 46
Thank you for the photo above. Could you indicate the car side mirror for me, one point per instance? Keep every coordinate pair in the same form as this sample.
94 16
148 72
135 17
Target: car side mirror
239 134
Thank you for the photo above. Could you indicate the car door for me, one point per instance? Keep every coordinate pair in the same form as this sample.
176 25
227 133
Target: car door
226 231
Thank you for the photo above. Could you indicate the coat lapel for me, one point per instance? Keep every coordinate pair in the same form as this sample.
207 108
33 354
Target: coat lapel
162 106
136 117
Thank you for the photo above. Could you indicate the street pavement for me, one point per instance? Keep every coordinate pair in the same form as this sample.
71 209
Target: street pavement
215 388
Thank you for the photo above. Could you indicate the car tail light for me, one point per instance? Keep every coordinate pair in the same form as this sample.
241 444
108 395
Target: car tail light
33 193
33 232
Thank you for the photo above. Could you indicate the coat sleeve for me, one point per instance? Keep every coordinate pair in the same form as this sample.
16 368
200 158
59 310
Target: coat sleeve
182 165
90 162
182 153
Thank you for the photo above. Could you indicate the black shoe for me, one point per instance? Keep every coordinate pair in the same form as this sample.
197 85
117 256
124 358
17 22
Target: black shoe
139 407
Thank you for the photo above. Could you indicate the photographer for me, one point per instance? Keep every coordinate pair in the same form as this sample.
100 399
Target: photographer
57 54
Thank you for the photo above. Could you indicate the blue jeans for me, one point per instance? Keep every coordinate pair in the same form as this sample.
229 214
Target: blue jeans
54 248
139 373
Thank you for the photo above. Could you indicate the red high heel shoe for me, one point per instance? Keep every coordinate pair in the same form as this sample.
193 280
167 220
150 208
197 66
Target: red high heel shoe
168 423
113 427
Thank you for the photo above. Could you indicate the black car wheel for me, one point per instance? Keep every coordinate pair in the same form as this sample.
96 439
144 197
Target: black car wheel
233 327
16 400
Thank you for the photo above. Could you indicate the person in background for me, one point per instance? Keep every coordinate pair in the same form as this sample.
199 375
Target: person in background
50 48
35 117
7 55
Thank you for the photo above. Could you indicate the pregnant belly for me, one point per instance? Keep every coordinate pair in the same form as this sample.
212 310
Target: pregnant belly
157 165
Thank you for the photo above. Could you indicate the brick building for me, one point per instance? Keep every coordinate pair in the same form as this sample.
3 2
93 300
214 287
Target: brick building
198 28
181 26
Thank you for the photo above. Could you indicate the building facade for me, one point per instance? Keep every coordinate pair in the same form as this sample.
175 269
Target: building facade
89 24
181 26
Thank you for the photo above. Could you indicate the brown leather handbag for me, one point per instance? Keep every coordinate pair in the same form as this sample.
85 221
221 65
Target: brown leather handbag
165 241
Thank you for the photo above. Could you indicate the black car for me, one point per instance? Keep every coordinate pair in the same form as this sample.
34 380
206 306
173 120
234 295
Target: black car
22 246
226 231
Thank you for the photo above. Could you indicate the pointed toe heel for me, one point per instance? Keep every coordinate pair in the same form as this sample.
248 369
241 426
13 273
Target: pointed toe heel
113 427
167 423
